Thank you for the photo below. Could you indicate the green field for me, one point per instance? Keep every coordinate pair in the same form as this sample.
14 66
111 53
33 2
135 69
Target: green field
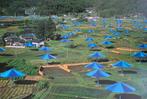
76 85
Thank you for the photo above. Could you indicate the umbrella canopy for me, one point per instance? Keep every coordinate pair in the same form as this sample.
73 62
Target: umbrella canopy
12 73
96 55
65 37
47 57
44 48
29 44
120 87
94 65
89 39
77 30
122 64
107 43
143 46
2 49
139 54
65 40
92 45
90 31
97 74
108 37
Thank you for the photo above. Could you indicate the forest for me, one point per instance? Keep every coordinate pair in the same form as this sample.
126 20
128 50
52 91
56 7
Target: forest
104 8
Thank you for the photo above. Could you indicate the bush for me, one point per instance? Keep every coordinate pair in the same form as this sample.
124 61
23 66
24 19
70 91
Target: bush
21 64
42 85
44 28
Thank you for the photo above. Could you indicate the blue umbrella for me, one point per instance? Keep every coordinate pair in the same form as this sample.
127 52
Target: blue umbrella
90 31
89 39
65 37
77 30
145 29
2 49
92 45
94 65
29 44
107 37
44 48
122 64
12 73
96 55
65 40
47 57
143 46
107 43
120 87
97 74
139 54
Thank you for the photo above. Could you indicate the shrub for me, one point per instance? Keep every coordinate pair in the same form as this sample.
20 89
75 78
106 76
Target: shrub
42 85
21 64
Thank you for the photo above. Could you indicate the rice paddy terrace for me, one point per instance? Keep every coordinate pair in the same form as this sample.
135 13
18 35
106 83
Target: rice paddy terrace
75 84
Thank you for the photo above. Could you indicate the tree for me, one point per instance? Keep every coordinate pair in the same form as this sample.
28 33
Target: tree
44 28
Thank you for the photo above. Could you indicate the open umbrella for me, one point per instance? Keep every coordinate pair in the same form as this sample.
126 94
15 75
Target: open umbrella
65 37
29 44
44 48
96 55
92 45
140 55
120 87
47 57
65 40
12 73
97 74
108 37
122 64
143 46
90 31
107 43
2 49
89 39
94 65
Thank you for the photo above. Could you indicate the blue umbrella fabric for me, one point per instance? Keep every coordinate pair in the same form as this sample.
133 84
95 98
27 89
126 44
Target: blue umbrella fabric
96 55
2 49
29 44
143 46
89 39
47 57
140 55
122 64
120 87
44 48
90 31
65 37
65 40
107 43
94 65
97 74
92 45
107 37
12 73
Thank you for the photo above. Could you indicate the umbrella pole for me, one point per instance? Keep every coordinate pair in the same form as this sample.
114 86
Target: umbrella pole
120 97
97 83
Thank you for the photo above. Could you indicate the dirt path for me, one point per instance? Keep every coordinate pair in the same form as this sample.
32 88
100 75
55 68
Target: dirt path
35 78
127 49
74 64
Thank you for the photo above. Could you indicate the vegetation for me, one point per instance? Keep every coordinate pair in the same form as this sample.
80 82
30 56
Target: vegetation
104 8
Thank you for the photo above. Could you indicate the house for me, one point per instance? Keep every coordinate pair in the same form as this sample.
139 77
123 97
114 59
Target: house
13 41
28 37
38 42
